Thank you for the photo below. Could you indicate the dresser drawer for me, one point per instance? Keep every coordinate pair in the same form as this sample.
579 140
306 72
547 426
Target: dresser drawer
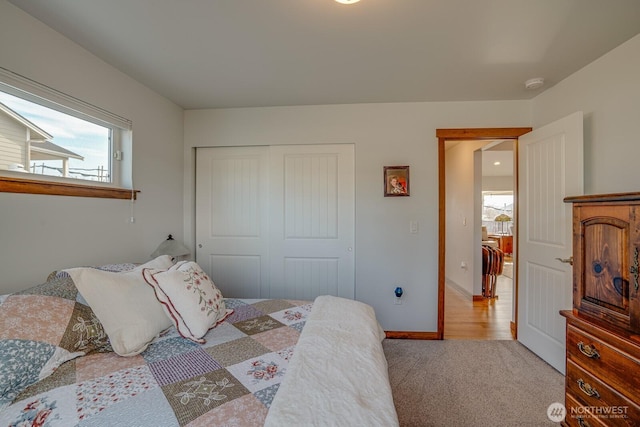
578 417
604 402
605 362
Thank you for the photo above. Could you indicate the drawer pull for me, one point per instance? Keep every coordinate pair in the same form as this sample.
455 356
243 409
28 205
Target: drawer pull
587 389
583 423
588 350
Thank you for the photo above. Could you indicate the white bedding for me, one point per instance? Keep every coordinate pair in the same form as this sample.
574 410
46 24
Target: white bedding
338 375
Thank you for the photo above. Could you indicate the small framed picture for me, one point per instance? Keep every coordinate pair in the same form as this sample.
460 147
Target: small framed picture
396 181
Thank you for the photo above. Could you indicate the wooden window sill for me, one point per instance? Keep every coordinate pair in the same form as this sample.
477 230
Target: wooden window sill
30 186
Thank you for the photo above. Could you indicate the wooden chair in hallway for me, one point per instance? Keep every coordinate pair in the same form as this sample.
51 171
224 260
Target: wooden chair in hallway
492 265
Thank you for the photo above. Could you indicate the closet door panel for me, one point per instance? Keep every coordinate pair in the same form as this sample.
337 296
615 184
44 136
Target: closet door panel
232 219
312 221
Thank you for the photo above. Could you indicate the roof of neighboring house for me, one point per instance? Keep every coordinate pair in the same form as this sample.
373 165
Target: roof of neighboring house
50 148
42 135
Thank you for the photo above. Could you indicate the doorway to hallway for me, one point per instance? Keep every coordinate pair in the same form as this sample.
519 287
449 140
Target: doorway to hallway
448 214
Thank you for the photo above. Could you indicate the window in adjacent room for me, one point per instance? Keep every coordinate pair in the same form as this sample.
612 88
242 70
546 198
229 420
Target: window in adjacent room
49 137
497 211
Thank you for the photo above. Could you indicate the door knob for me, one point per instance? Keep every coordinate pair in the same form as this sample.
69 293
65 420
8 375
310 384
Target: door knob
566 260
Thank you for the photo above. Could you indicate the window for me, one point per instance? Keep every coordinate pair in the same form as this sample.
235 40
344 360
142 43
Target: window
497 211
52 143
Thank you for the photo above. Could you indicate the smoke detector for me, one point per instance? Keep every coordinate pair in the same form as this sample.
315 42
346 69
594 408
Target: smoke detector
534 83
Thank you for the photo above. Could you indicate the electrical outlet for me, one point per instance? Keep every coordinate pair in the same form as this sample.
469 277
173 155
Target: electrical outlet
398 292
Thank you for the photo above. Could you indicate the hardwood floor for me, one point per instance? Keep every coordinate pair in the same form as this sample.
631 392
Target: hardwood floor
478 320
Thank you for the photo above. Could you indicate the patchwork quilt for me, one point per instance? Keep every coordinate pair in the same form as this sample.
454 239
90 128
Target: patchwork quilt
229 380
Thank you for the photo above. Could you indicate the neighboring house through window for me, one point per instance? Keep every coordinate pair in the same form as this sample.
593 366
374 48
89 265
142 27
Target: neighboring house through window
23 143
49 137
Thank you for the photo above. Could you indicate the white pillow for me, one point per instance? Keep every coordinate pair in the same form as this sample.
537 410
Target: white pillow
162 263
189 298
124 304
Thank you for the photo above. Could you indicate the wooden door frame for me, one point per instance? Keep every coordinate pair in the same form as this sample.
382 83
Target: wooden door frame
469 134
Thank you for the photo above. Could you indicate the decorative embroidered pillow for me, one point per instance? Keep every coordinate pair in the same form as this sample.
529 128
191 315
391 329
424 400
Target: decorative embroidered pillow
126 307
189 298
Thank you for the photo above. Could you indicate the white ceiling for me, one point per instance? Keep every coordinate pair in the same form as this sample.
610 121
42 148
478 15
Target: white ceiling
505 168
500 151
239 53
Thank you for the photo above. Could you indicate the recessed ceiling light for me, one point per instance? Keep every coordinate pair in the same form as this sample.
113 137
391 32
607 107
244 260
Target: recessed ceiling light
347 1
496 163
534 83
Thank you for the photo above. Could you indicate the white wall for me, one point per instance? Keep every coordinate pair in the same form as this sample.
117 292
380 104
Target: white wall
384 134
461 218
497 183
39 234
608 92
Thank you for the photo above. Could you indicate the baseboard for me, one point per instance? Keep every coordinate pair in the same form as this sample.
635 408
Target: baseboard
480 298
401 335
457 287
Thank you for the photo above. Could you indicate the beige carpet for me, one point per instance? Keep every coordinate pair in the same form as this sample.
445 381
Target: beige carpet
470 383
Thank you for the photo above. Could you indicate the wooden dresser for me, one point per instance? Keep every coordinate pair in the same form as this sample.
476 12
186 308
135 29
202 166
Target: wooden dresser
602 386
505 243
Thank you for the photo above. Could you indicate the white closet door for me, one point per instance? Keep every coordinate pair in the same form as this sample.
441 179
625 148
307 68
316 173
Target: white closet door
277 222
232 219
312 221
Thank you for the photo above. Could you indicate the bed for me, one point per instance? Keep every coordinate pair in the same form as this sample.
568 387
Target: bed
67 359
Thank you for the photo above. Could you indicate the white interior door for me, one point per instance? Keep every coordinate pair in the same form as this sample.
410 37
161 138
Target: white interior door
277 222
550 168
312 221
232 219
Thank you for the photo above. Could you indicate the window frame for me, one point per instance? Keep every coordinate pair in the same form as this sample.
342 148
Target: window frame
120 142
485 193
11 184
